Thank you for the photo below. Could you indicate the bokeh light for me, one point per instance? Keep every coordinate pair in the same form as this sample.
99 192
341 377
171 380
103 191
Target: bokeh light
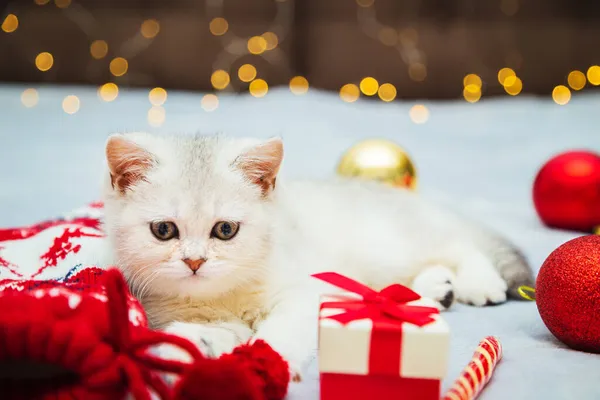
157 96
561 95
593 75
387 92
209 102
108 92
513 85
472 93
417 72
62 3
220 79
472 81
41 2
388 36
156 116
150 28
44 61
419 114
504 74
258 88
99 49
118 66
10 23
247 73
29 97
349 92
298 85
576 80
271 39
257 45
509 7
71 104
365 3
218 26
369 86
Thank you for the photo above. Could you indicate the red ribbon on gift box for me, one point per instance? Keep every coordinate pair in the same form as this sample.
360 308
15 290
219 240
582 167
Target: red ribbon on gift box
388 311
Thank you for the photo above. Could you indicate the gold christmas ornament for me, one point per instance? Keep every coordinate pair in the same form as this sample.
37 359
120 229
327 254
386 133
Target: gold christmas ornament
597 230
380 160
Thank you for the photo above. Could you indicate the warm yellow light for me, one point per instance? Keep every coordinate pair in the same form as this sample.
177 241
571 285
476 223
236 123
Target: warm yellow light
209 102
365 3
10 24
387 92
513 85
41 2
298 85
349 92
419 114
157 96
99 49
71 104
576 80
220 79
108 92
118 66
417 72
218 26
62 3
471 96
257 45
271 39
472 79
150 28
247 73
369 86
29 97
388 36
561 95
44 61
258 88
503 76
593 75
156 116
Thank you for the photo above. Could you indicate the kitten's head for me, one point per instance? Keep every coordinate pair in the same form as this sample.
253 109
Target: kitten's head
186 214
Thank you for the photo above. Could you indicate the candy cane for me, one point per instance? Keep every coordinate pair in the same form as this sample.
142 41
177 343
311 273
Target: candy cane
478 372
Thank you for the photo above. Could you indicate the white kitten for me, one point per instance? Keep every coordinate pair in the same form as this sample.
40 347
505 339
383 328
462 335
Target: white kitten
220 252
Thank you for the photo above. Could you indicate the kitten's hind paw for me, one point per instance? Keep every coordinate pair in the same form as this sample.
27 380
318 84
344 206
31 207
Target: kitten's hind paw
436 282
480 287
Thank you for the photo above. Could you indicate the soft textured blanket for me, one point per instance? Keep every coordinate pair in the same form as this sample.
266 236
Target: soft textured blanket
480 158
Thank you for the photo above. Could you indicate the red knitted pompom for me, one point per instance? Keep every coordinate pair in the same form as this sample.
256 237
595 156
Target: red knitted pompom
251 372
222 379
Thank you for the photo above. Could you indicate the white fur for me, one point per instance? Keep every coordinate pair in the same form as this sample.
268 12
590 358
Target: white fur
260 280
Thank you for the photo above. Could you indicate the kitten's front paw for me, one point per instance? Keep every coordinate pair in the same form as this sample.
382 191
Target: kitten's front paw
211 340
480 287
437 283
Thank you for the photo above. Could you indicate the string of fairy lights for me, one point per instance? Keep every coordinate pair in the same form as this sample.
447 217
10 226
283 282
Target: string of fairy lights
266 46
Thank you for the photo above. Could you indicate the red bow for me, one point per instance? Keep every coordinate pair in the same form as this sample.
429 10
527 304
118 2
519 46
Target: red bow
388 304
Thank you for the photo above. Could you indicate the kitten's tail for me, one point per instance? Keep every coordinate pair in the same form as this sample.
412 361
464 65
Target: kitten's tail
511 263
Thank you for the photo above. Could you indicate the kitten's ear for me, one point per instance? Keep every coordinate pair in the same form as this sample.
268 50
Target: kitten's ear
261 163
127 161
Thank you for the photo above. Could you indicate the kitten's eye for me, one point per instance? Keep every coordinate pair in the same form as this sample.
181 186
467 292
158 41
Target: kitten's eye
164 230
225 230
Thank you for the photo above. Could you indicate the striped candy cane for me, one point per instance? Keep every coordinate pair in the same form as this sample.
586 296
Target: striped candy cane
478 372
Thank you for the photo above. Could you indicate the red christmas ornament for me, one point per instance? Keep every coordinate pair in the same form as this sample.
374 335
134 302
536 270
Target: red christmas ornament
566 191
568 293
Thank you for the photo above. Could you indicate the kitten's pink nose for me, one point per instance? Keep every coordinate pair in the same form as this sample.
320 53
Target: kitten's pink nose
194 265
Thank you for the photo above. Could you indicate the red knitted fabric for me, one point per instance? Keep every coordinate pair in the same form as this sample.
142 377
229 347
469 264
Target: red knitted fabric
73 332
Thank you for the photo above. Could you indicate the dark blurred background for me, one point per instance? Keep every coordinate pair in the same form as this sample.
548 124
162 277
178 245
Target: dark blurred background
421 48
